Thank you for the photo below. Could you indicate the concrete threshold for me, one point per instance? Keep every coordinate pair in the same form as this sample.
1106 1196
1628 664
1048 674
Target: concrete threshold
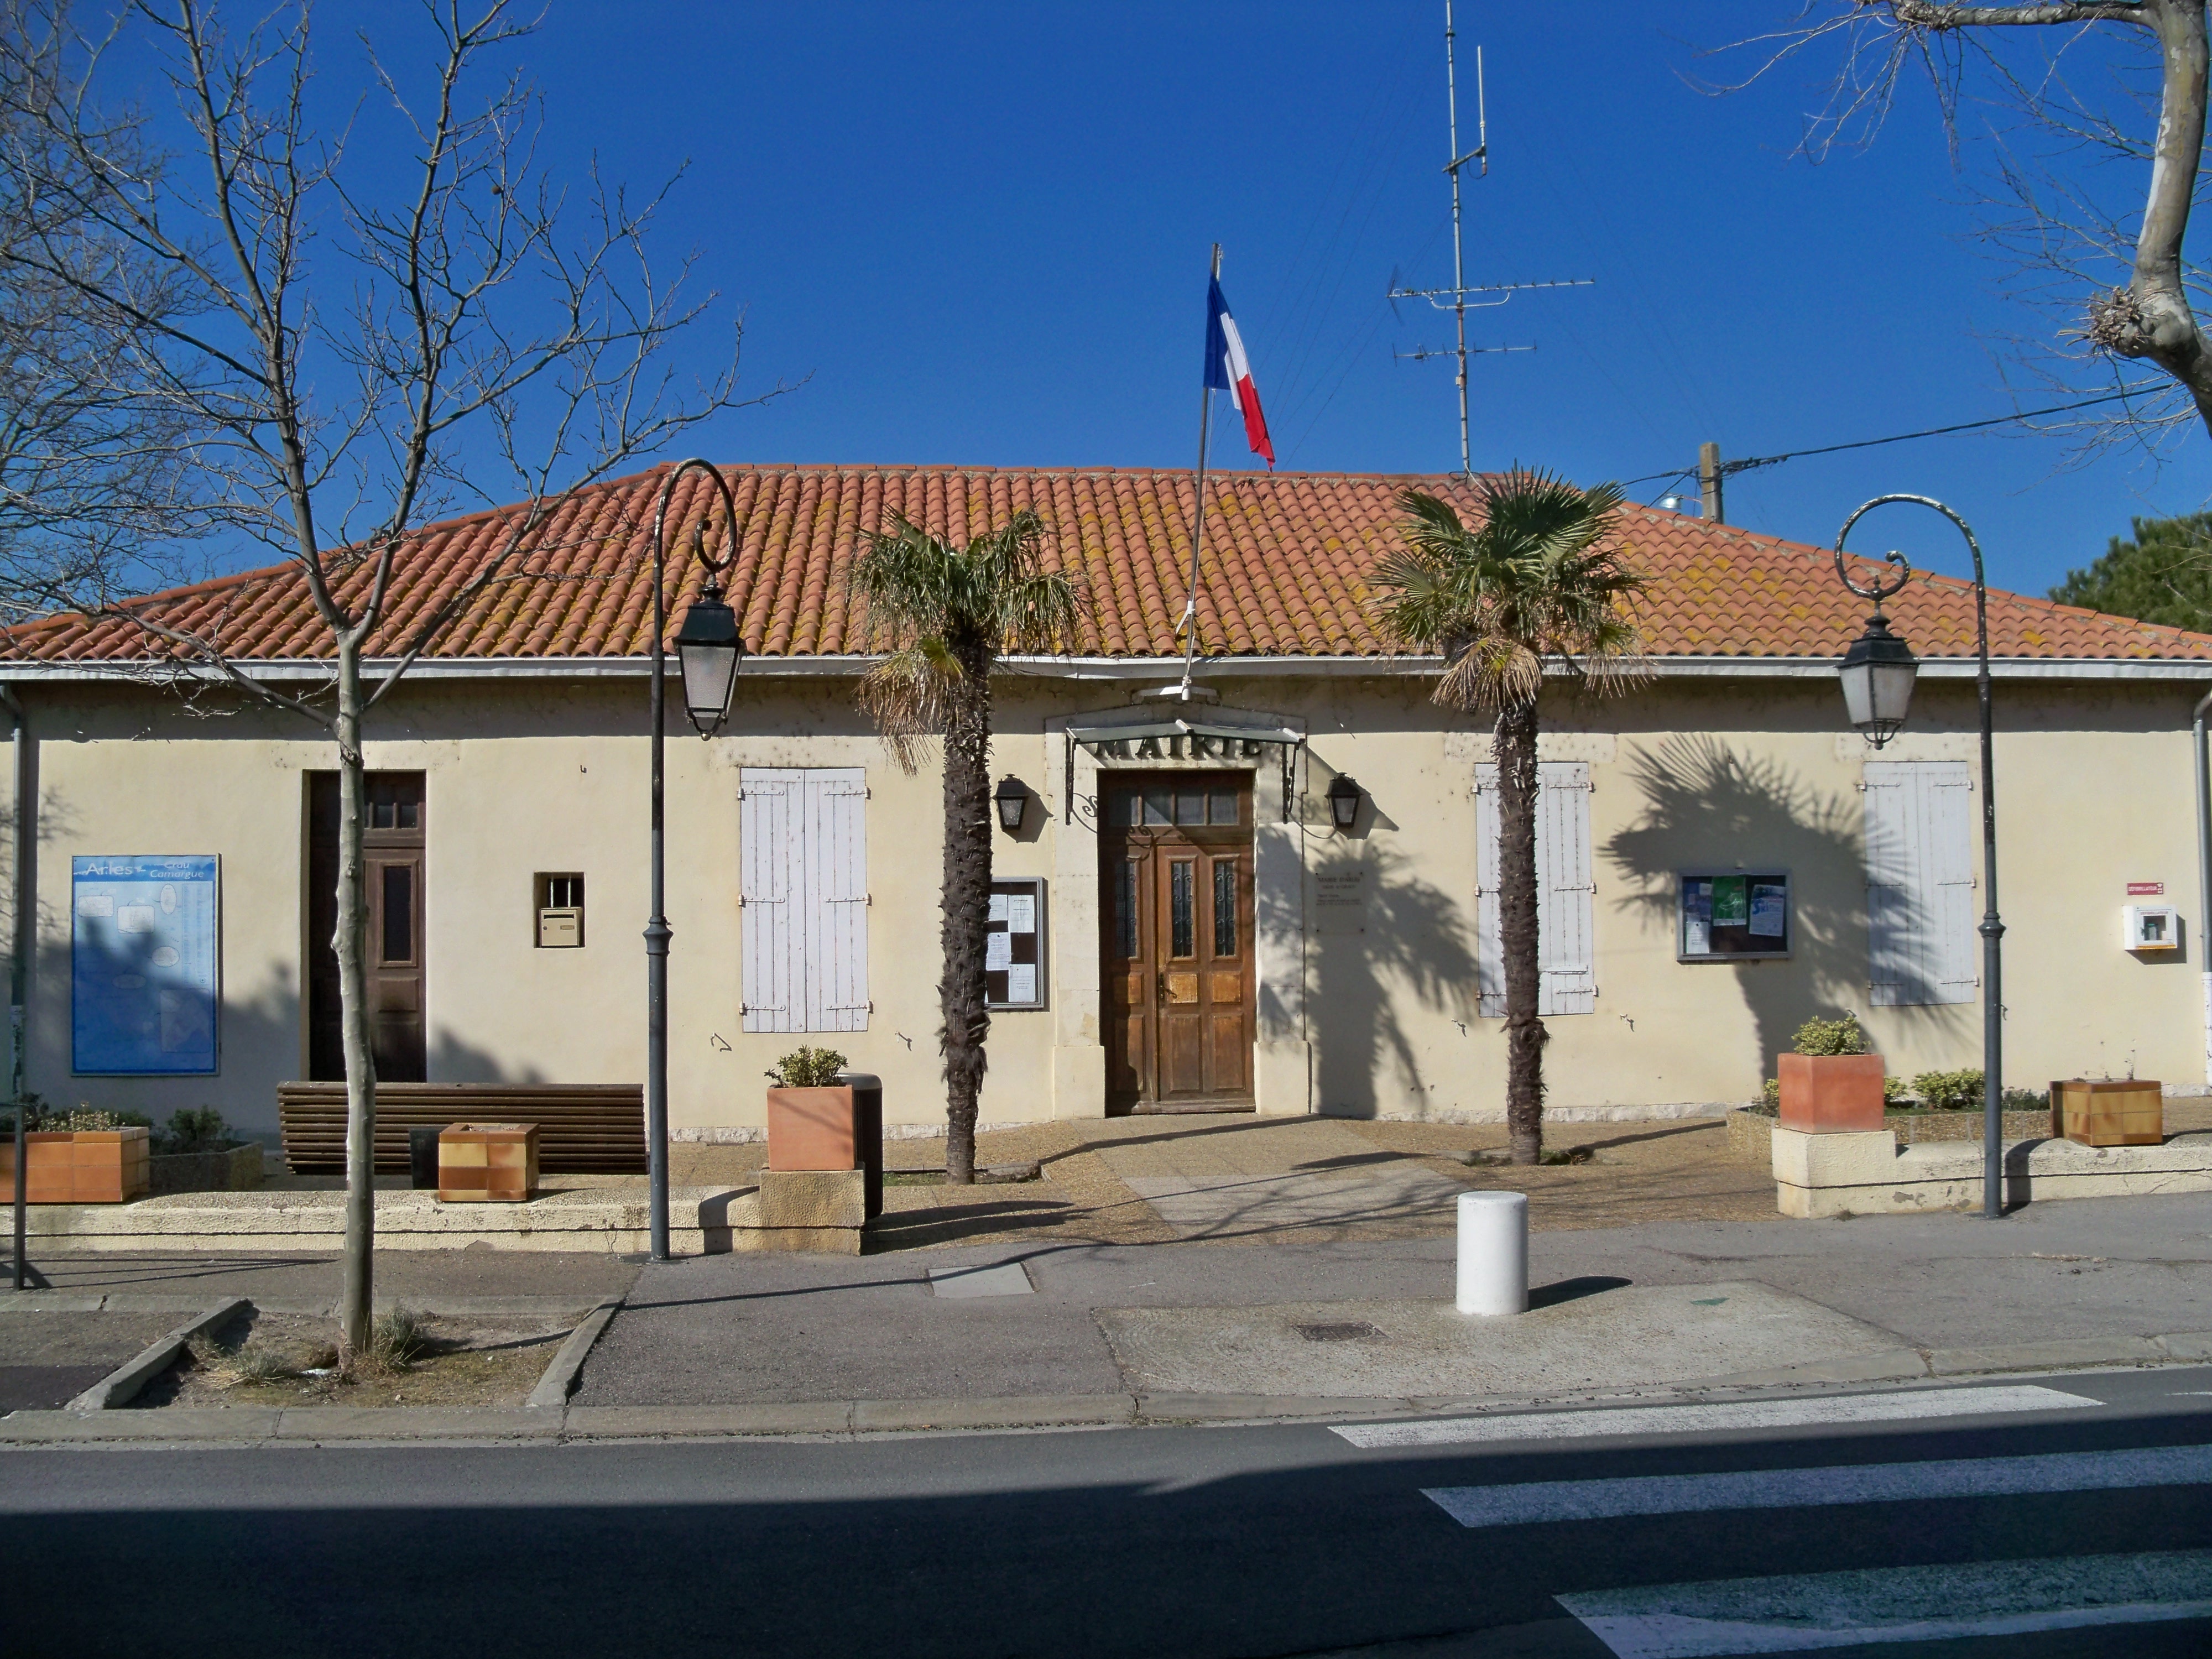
324 1426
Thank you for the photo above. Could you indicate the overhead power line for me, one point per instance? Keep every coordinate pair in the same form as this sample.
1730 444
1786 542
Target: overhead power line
1747 464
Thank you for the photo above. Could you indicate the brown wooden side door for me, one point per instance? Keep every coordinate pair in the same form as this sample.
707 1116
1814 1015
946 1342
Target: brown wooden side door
393 844
1176 870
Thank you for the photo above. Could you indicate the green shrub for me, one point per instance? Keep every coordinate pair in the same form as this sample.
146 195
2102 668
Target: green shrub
86 1118
2027 1100
1894 1094
1949 1091
807 1068
1770 1098
194 1129
1831 1036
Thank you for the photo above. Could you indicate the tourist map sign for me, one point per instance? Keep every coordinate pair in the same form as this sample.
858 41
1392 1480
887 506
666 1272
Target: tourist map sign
142 965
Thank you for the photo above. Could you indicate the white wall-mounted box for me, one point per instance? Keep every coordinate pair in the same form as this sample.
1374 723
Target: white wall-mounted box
560 928
2151 927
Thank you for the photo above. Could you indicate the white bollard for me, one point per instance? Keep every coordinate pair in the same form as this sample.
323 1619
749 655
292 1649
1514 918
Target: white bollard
1493 1252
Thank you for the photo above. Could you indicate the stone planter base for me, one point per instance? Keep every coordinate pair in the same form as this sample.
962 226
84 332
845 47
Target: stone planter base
1868 1173
232 1169
1751 1135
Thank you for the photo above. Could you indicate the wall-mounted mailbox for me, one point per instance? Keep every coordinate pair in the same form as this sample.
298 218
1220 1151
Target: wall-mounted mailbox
2151 927
560 908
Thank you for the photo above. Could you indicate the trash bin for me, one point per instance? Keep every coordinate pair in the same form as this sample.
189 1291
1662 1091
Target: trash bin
868 1132
422 1157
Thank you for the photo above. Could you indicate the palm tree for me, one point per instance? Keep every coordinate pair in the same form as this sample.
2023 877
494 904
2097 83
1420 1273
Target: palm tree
1540 582
951 613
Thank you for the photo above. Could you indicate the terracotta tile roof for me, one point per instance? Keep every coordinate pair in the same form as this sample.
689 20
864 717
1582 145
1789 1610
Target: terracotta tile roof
1287 564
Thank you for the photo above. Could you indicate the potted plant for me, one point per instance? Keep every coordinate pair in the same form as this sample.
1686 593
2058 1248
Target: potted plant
1830 1082
811 1123
83 1157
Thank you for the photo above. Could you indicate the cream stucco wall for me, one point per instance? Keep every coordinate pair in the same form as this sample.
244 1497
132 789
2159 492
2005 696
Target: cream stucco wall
1365 1009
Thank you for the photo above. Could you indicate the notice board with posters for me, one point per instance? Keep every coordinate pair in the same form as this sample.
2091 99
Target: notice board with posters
143 961
1014 945
1734 915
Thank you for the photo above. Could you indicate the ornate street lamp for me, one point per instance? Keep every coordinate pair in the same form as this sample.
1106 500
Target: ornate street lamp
1877 675
708 647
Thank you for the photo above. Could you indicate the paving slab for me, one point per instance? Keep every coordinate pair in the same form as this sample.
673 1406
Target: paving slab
1006 1279
1620 1337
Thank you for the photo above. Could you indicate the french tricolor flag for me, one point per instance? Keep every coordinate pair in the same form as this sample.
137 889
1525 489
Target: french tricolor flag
1228 370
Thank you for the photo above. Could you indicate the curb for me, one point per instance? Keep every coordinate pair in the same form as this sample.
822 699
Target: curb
123 1384
559 1379
555 1423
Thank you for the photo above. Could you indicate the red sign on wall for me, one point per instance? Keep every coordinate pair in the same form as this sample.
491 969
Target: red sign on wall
2145 889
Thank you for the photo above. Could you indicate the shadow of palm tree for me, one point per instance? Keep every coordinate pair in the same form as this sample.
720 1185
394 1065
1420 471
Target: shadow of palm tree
1412 936
1706 804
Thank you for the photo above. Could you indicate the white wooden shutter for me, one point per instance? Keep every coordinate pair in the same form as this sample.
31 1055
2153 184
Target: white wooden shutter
1920 883
1564 890
803 884
836 853
770 940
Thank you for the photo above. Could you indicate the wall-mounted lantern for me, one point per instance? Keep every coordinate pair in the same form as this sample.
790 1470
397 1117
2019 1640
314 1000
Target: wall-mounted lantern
1344 797
1012 800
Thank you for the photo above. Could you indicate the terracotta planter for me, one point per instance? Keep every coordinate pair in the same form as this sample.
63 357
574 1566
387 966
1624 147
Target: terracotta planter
813 1129
2124 1113
1831 1094
86 1166
487 1163
837 1127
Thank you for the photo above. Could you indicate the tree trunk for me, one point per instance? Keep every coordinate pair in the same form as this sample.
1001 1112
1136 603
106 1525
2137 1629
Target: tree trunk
967 901
1514 748
350 941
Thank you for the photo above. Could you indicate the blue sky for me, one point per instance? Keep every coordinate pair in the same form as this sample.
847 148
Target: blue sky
979 232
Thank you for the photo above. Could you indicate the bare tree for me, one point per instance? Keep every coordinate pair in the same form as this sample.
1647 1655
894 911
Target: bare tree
2073 100
348 366
87 460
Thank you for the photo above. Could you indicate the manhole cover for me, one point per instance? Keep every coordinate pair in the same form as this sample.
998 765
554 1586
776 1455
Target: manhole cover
1350 1330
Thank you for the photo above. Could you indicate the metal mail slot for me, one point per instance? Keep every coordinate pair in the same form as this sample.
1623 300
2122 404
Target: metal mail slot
560 928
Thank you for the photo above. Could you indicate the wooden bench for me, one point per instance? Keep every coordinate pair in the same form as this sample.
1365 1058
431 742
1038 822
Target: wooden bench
584 1128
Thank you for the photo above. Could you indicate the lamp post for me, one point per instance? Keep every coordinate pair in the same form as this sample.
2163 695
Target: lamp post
708 649
1877 674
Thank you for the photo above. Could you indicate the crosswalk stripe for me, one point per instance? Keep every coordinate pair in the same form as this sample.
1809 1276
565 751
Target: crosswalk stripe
1793 1614
1523 1503
1899 1407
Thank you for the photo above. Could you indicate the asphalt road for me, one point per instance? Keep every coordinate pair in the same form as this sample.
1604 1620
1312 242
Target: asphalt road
2083 1493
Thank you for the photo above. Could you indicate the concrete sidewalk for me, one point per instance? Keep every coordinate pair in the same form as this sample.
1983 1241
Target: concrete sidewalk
1614 1310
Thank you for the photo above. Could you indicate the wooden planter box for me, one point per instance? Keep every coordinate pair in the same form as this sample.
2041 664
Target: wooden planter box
487 1162
837 1127
84 1166
1831 1094
2126 1113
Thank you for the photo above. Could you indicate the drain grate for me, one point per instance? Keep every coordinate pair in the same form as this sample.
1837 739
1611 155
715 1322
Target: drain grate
1350 1330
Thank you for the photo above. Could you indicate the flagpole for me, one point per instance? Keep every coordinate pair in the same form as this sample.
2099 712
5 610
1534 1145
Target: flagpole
1198 516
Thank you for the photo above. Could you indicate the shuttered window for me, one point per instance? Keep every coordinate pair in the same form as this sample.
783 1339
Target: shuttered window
804 880
1564 890
1920 883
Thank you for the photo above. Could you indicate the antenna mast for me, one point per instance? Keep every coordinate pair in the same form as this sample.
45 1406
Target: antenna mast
1459 291
1479 154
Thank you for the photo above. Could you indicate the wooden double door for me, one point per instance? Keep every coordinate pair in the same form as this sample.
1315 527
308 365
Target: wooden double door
392 845
1176 886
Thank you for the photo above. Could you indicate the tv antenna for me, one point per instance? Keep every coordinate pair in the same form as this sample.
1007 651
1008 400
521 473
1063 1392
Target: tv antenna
1459 299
